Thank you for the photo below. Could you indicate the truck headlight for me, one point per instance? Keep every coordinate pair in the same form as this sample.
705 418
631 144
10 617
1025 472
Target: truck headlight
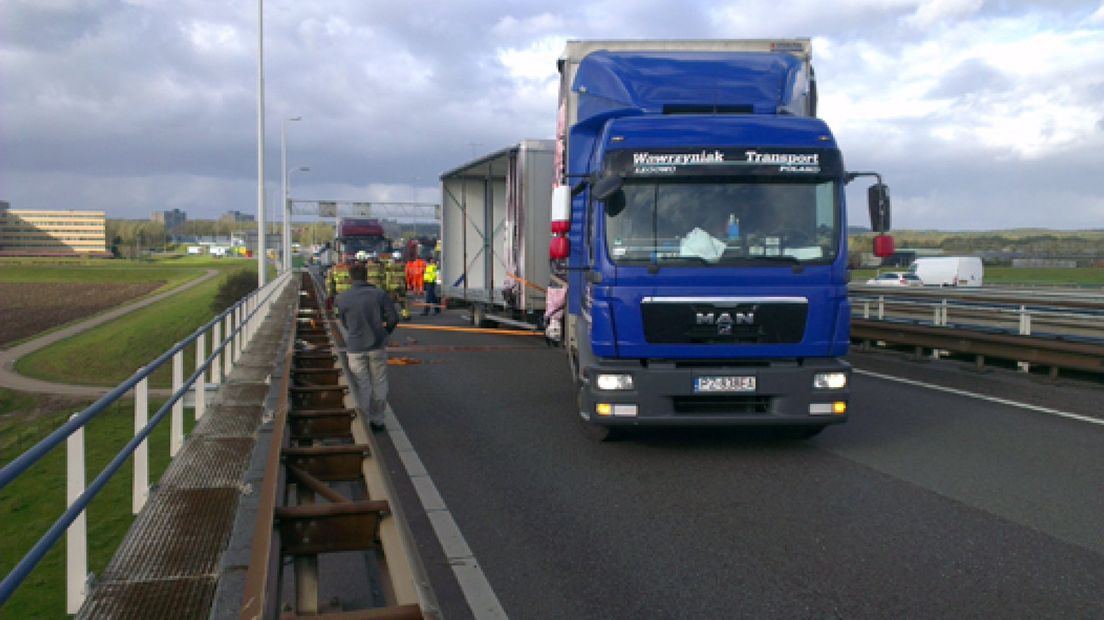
829 380
613 382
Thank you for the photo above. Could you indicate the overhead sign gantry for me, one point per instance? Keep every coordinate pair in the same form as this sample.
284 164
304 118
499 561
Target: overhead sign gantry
401 211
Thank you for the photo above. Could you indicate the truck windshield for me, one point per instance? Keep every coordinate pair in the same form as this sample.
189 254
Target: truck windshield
719 221
372 245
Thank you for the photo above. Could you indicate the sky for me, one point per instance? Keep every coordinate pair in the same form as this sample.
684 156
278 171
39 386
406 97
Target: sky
979 114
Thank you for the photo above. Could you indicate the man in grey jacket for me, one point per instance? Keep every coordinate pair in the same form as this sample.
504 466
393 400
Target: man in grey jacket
368 316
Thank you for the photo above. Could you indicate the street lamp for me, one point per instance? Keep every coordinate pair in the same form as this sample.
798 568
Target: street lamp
262 275
287 205
287 213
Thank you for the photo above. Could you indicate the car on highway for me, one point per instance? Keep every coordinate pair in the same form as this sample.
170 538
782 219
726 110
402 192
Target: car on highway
895 278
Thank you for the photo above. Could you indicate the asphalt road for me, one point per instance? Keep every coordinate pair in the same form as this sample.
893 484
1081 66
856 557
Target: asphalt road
925 504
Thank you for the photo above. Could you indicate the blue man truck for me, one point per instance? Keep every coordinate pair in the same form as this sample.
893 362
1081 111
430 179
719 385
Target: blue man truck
698 220
699 236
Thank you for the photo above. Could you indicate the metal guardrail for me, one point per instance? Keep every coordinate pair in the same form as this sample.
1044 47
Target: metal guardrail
1024 327
319 440
1054 297
1055 354
240 322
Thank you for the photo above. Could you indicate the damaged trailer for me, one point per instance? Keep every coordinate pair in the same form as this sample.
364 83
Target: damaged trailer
494 234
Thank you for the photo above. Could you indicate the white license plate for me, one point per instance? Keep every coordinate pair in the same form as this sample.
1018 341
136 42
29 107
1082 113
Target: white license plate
724 384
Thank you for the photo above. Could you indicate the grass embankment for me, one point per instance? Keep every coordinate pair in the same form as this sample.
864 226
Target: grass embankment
102 356
1081 276
37 296
36 499
1008 276
109 354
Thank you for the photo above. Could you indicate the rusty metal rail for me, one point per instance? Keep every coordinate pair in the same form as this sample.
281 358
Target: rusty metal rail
1051 352
1051 329
325 493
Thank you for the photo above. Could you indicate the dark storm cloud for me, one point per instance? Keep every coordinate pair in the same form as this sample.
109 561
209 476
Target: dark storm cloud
133 106
52 26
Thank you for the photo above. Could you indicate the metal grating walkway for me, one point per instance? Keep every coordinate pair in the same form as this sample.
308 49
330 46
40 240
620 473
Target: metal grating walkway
168 565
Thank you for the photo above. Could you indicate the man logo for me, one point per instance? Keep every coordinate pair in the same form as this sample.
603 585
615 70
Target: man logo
725 320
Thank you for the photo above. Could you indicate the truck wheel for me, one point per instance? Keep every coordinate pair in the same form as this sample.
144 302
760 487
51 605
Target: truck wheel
479 314
599 432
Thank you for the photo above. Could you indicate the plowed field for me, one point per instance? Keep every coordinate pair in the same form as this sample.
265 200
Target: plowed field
27 309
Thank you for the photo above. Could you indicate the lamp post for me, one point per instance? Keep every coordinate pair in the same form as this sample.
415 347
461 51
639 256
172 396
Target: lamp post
262 275
287 205
287 212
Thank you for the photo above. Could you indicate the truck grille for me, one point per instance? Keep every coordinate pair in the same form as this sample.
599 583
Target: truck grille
712 322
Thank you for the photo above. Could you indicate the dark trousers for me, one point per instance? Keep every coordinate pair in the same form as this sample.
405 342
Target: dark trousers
431 298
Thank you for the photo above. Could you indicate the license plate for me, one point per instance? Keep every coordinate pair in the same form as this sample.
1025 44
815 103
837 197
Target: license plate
724 384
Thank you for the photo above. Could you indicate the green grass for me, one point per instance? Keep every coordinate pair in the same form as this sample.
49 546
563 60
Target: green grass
37 498
109 354
103 356
51 274
84 271
11 401
1081 276
47 271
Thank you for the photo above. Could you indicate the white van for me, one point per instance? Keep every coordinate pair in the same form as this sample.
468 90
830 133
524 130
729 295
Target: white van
949 270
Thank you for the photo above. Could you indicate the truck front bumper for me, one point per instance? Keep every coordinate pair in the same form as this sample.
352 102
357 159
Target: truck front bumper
670 394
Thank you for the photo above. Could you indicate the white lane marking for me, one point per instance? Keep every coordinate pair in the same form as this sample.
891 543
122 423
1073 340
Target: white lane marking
992 399
473 582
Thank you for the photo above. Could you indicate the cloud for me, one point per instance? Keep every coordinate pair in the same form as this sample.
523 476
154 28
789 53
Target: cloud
969 78
1098 16
968 108
931 12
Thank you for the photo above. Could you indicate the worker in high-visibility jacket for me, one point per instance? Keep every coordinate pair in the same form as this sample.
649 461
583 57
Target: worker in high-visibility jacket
429 281
338 279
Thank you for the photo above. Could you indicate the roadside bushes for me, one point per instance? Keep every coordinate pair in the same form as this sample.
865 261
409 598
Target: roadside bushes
234 287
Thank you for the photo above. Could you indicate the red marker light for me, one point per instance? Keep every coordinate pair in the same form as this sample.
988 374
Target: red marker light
883 246
559 248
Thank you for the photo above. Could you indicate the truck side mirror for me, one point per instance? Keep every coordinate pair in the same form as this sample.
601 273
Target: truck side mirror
608 189
877 196
606 186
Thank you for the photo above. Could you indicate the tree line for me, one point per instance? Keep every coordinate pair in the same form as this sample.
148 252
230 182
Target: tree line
131 238
994 245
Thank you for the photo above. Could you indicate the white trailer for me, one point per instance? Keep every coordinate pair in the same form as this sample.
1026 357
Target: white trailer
949 270
494 233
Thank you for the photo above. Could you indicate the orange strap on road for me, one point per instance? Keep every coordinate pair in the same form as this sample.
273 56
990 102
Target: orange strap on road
471 330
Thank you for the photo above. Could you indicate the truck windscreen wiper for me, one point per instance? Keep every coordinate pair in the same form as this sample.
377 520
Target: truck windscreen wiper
693 257
781 258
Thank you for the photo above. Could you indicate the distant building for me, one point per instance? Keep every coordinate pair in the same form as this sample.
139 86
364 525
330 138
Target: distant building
173 220
238 216
33 232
